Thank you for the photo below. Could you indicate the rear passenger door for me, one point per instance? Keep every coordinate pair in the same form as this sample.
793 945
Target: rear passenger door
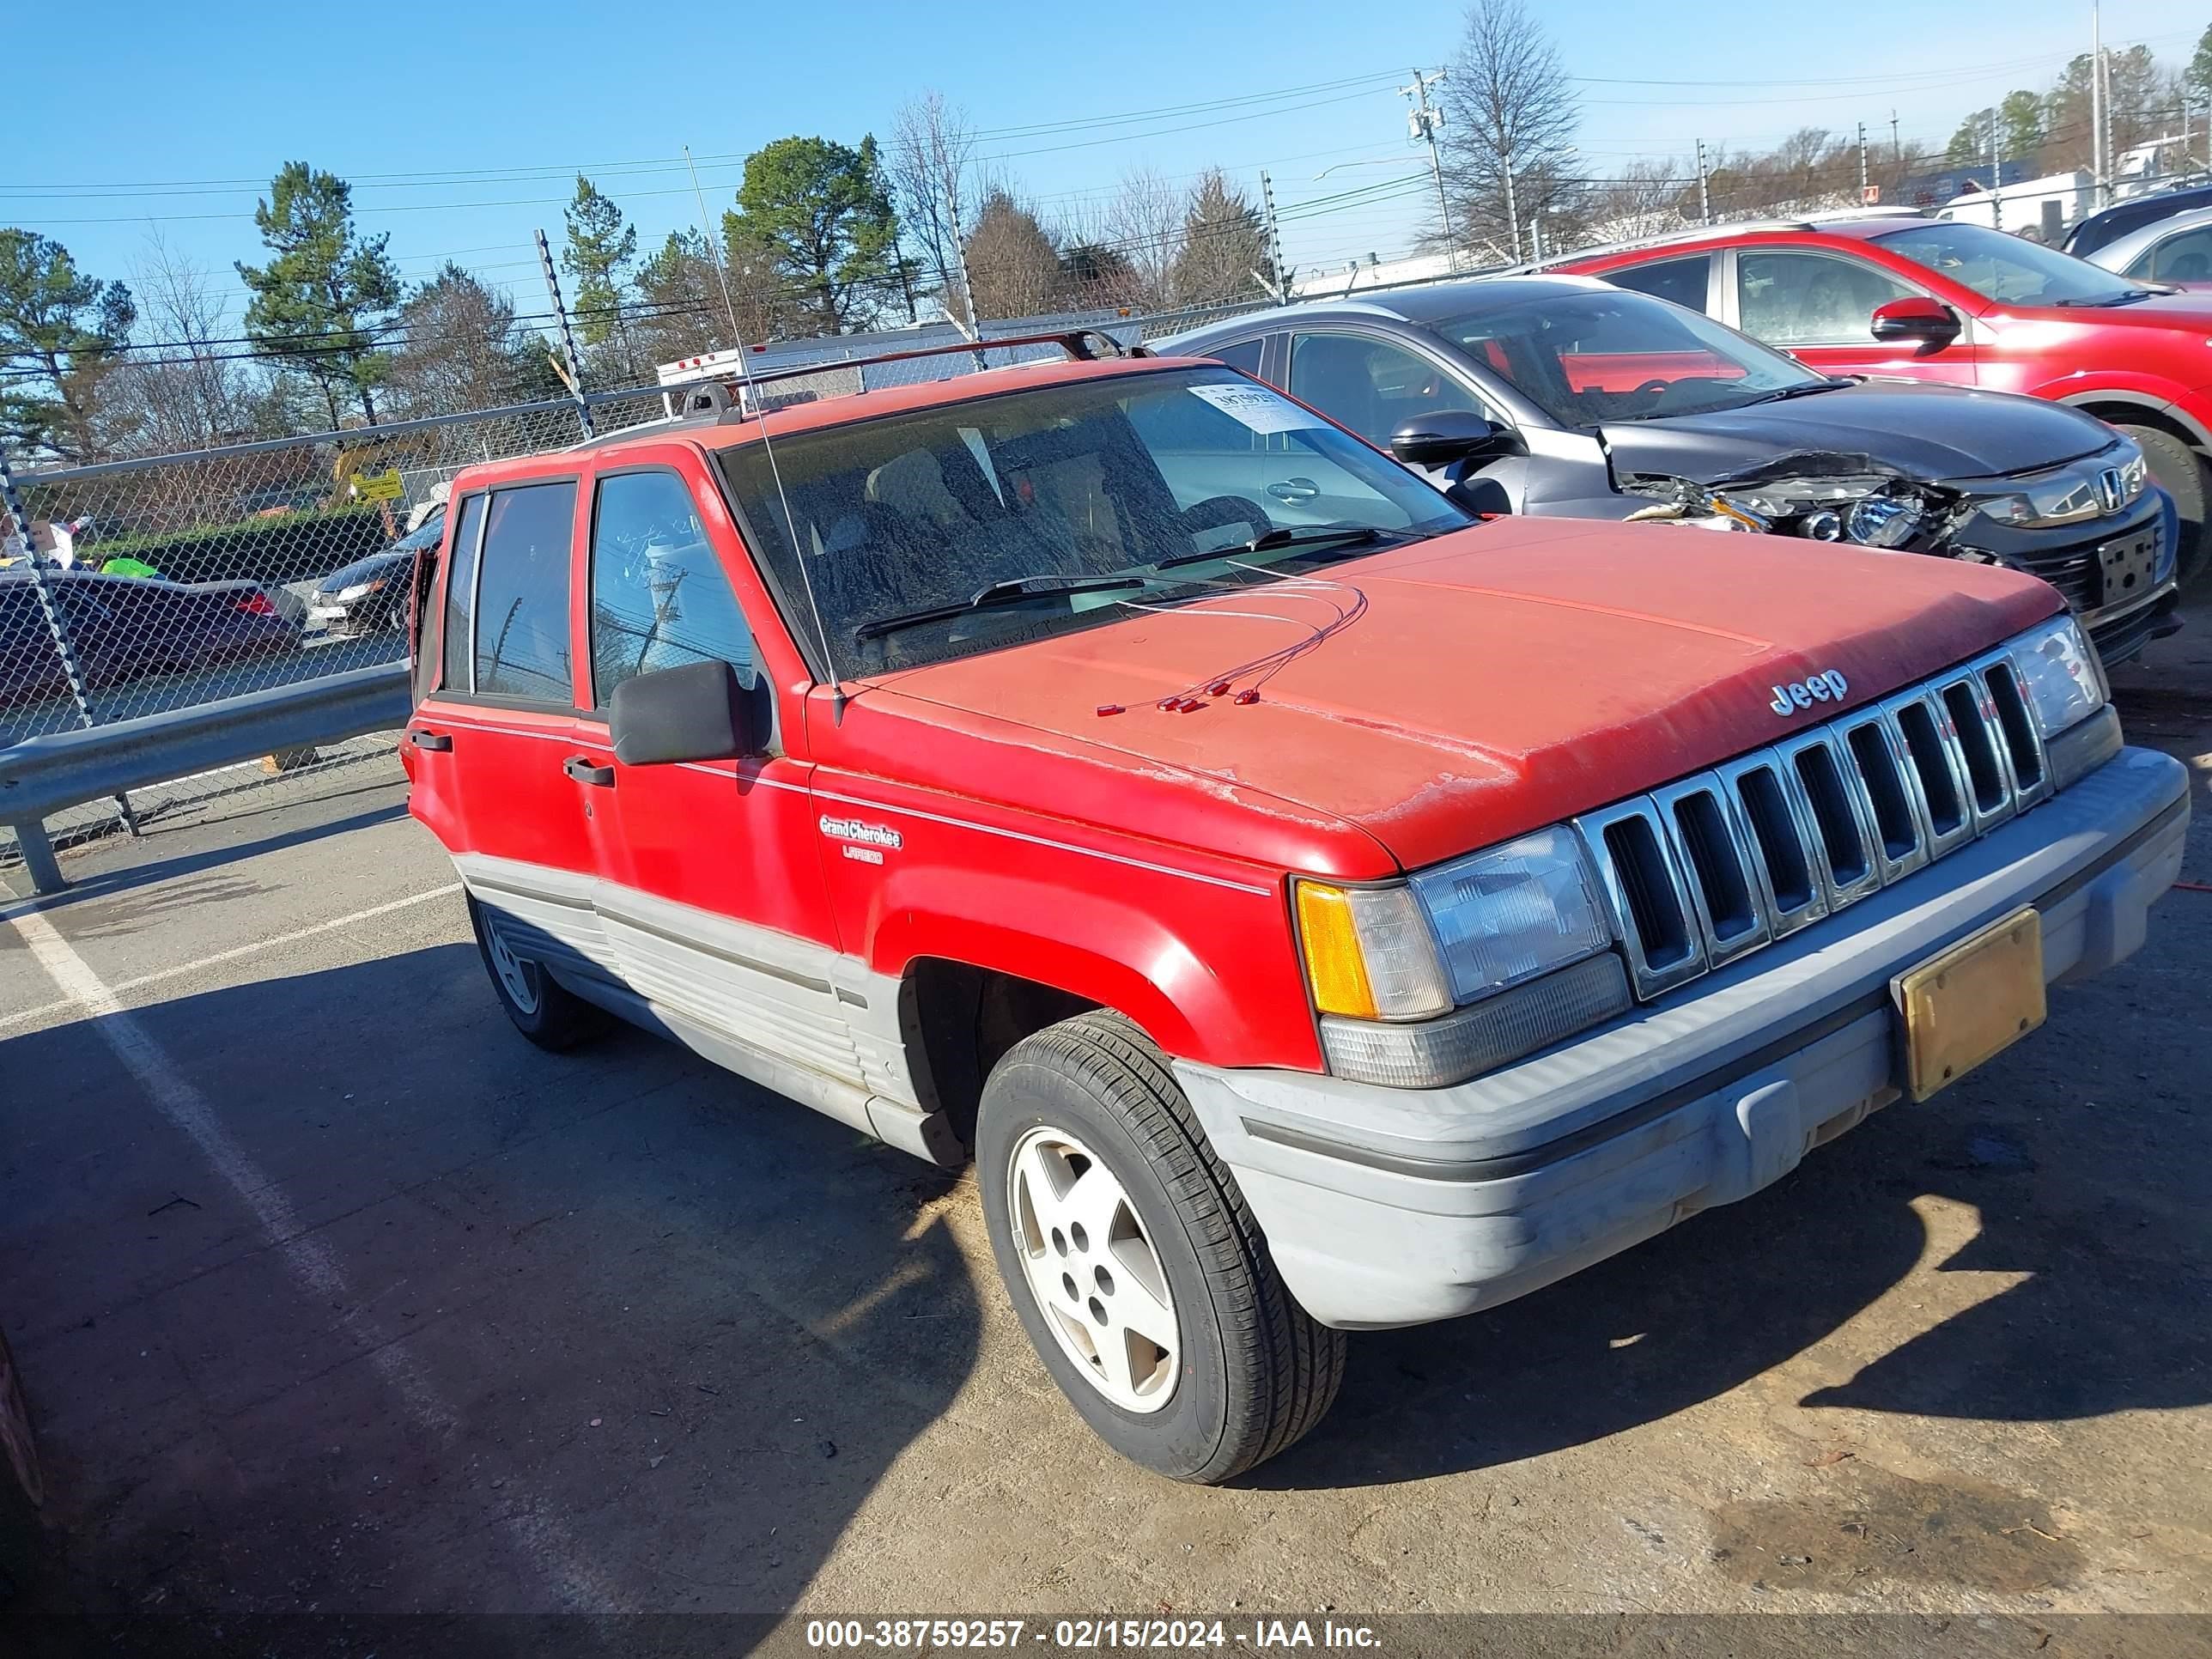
495 742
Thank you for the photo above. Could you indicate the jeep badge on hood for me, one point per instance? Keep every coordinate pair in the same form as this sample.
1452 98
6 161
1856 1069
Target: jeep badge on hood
1828 687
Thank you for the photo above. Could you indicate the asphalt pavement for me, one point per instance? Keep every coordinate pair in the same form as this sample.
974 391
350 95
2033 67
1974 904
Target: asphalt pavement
337 1300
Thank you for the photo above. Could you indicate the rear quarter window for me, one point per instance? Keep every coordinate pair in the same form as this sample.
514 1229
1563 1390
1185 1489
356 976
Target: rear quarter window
460 595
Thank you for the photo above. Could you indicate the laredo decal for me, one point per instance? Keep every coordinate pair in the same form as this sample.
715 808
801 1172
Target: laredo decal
867 835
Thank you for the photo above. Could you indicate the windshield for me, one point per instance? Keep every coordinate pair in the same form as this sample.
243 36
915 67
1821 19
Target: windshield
2007 268
1586 358
1067 486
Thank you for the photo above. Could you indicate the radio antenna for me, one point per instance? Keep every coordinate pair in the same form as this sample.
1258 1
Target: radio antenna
776 471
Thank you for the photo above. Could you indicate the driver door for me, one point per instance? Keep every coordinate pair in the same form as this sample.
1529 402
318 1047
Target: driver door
1819 308
1374 386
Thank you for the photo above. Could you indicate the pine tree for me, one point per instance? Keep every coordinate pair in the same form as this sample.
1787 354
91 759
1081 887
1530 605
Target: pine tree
327 292
60 332
601 246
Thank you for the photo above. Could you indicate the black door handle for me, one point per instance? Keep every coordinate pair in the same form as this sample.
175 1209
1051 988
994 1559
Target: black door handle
437 740
581 769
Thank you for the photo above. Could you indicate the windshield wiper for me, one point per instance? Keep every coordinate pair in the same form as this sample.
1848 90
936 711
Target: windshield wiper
1268 541
1804 389
2125 297
1011 591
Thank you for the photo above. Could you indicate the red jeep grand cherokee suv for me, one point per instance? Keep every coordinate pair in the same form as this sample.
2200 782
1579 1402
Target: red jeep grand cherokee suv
1311 907
1935 299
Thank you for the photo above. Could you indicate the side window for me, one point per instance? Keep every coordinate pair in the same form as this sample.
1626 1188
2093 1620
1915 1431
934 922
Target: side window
1682 280
1244 355
461 595
1810 298
2183 259
1371 386
659 596
522 594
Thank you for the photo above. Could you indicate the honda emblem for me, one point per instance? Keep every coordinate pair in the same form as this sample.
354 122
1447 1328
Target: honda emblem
2109 489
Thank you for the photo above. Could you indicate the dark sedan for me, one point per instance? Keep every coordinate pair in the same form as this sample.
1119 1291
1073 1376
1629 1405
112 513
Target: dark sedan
1563 397
371 593
127 628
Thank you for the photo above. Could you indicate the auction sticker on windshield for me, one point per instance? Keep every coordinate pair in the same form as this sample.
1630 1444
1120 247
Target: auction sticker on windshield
1259 408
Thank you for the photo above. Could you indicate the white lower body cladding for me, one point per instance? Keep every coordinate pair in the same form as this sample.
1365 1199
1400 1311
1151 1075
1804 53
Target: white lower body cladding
1385 1207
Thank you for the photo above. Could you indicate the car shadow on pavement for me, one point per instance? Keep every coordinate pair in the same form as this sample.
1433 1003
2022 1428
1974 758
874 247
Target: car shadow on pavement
538 1331
2107 1228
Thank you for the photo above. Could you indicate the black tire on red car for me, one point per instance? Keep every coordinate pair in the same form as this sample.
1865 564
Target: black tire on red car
1220 1369
23 1490
542 1010
2181 473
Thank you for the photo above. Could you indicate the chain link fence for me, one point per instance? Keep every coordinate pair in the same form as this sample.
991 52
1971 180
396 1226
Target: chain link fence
180 580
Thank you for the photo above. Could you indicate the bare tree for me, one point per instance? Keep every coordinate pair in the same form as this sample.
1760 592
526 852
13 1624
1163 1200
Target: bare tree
1509 114
1145 224
930 162
1646 198
180 389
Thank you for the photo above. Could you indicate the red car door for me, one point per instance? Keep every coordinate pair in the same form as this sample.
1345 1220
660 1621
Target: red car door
1818 304
711 895
493 739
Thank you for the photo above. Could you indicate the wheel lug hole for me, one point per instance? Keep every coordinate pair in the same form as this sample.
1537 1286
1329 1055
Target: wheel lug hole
1077 1236
1060 1241
1097 1310
1104 1280
1067 1284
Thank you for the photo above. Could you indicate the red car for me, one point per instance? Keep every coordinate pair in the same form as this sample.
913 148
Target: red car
1312 906
1936 299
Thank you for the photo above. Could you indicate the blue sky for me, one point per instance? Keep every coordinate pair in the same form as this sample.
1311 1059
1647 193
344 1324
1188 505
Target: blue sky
460 125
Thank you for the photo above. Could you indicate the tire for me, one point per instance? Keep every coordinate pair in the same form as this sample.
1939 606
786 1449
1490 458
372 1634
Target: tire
1249 1372
22 1491
2181 473
548 1014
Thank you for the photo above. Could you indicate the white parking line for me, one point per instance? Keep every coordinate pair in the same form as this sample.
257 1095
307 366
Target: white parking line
123 988
540 1539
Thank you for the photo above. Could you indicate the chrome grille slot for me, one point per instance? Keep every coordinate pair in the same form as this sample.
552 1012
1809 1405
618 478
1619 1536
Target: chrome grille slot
1652 911
1704 869
1899 847
1981 746
1936 771
1840 814
2023 748
1783 842
1715 858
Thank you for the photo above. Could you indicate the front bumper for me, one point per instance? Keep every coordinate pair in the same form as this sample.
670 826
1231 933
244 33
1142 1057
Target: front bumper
1385 1207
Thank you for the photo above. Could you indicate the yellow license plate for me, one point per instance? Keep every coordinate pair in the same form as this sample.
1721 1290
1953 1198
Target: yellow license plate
1972 1001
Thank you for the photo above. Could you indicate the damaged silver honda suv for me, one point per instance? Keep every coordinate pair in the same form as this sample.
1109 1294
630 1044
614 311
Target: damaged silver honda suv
1562 396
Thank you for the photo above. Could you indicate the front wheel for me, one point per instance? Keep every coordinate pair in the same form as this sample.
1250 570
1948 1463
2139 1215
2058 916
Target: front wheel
2177 469
1136 1268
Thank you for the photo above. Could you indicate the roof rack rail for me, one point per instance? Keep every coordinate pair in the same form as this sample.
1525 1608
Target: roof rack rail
1700 233
713 397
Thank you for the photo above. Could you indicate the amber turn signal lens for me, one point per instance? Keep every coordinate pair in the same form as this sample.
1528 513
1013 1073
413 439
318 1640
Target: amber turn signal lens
1334 965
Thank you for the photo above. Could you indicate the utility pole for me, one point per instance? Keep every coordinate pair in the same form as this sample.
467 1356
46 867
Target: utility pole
1705 197
1896 145
1274 238
1996 177
1862 164
575 374
1424 120
2096 104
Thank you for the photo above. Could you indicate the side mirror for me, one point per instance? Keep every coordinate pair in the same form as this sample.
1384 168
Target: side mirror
695 712
1928 322
1451 435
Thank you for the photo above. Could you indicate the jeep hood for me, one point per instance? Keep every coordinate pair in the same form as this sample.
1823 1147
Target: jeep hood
1450 694
1932 433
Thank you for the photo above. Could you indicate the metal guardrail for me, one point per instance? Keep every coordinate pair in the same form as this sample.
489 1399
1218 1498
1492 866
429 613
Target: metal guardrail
46 774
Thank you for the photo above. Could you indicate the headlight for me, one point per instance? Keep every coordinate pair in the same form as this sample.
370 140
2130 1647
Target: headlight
1463 968
1864 509
2064 682
1513 912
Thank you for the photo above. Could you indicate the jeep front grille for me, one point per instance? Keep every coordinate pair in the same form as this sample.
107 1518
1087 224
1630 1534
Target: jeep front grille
1721 862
